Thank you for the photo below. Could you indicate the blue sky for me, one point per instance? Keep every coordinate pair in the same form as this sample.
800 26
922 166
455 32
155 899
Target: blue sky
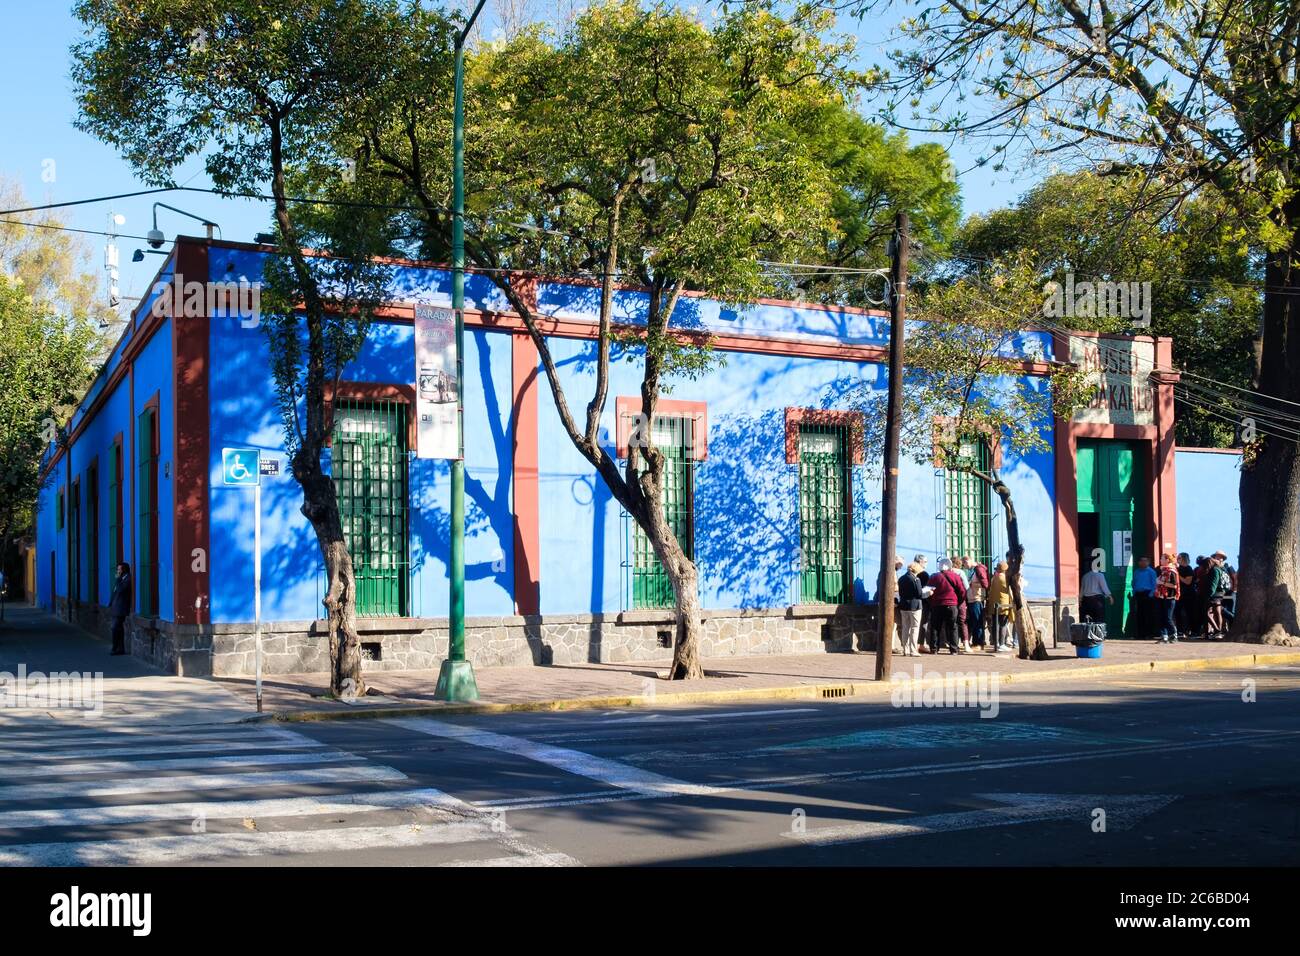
54 162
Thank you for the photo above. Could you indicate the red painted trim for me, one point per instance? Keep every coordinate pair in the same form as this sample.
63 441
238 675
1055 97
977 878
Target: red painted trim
794 417
372 392
191 432
628 407
989 434
525 467
1208 451
1158 461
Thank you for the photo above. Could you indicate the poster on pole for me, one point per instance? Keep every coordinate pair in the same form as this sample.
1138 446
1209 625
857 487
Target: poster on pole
436 387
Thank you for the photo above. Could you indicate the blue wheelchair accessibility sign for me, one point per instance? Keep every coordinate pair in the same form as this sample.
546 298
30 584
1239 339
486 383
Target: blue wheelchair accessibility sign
240 466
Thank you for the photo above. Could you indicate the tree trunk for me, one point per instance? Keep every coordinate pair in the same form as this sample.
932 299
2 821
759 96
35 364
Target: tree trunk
1032 646
687 664
320 507
1268 582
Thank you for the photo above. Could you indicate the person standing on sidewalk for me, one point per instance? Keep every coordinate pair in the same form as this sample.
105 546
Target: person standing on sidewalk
119 606
1001 607
1144 588
949 592
1217 586
1094 594
1166 596
977 588
909 609
1185 612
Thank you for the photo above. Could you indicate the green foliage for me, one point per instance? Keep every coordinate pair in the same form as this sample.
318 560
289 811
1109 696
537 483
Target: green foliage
1197 260
45 362
259 88
964 370
875 176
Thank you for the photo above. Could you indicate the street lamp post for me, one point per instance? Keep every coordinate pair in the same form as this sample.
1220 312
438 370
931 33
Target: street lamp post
456 678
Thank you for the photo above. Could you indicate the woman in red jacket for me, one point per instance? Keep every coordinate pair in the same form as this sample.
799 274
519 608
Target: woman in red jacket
949 592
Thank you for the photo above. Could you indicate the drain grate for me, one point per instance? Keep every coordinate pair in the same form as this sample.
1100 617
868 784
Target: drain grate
835 692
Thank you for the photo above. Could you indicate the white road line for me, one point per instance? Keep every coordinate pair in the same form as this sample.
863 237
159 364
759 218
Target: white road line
152 851
6 756
278 778
232 809
531 859
51 742
56 769
609 772
965 766
1127 809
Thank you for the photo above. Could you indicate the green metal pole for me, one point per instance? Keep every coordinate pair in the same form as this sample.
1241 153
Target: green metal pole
456 678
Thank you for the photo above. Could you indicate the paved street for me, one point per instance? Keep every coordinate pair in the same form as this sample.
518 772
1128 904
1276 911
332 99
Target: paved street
1185 772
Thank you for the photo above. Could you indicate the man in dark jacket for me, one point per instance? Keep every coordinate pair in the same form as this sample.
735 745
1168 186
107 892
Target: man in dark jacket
119 606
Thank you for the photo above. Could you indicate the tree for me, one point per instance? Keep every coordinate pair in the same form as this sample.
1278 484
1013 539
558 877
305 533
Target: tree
255 87
1198 95
639 144
48 340
964 381
875 175
1203 294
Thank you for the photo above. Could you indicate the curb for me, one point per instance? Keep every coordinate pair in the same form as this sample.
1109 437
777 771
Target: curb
820 691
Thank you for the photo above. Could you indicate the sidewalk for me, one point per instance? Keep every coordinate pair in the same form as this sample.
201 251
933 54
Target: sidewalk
733 679
34 641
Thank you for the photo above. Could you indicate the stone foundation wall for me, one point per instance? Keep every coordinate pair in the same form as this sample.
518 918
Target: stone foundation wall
632 636
185 651
302 647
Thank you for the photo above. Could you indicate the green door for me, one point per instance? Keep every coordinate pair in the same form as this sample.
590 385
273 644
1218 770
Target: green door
1111 518
825 575
369 467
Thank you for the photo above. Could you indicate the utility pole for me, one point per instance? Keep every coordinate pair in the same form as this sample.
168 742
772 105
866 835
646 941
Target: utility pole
456 677
889 502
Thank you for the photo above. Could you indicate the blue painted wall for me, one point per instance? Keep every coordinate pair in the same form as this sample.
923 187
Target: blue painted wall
746 496
747 535
244 414
1209 506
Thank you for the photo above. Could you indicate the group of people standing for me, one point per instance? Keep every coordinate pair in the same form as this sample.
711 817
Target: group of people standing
1172 601
960 606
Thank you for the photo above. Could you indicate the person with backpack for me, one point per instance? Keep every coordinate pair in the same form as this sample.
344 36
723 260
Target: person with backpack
1166 597
1218 586
976 591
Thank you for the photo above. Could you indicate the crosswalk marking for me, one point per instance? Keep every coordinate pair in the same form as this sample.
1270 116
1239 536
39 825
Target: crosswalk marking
154 851
184 763
276 778
229 809
80 765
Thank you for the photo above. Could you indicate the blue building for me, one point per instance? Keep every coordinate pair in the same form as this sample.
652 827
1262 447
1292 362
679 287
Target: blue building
769 484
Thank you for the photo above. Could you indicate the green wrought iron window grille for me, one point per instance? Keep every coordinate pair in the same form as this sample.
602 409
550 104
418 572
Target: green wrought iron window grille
967 505
675 437
370 479
825 515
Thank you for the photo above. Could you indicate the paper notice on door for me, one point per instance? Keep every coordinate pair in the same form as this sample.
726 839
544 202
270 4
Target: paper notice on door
1121 548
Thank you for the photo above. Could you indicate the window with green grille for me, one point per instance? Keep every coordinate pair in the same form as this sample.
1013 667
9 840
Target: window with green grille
675 437
370 479
146 494
825 514
966 504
